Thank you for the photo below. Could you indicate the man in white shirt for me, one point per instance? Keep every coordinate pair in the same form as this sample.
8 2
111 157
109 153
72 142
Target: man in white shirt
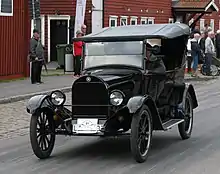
209 51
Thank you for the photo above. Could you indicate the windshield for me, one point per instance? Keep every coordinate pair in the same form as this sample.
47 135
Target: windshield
114 53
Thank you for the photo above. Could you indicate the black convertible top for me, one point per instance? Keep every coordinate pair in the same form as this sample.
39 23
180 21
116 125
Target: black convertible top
137 32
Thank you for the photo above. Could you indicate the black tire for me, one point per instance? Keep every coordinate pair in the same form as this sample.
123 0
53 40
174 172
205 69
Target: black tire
42 146
185 128
140 154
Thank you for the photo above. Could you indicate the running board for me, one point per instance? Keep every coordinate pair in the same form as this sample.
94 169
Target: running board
172 122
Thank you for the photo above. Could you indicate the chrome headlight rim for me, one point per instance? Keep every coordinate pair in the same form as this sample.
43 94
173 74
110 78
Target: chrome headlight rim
52 98
122 97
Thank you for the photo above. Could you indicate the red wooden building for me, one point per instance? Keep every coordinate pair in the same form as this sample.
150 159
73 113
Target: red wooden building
14 35
57 23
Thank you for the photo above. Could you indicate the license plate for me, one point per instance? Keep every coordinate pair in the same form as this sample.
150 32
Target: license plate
86 126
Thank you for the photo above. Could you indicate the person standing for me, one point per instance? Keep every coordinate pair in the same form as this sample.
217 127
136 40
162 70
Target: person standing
36 54
83 29
78 48
202 39
209 51
189 57
195 53
217 41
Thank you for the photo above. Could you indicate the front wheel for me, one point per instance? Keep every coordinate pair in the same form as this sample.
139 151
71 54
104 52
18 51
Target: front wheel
42 134
141 134
185 128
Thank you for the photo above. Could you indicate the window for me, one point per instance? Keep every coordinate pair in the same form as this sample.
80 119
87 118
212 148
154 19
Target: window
202 24
6 7
113 21
171 20
212 24
123 20
150 20
143 20
133 20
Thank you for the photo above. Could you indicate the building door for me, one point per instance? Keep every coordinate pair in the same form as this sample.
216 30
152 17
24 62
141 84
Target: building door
58 35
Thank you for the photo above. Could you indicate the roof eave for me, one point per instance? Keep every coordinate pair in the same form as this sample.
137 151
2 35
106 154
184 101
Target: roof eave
212 3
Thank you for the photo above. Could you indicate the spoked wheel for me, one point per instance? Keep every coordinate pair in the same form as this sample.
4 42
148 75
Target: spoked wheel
214 70
141 134
42 134
185 128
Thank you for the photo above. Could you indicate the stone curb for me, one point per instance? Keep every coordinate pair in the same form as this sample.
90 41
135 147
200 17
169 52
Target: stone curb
27 96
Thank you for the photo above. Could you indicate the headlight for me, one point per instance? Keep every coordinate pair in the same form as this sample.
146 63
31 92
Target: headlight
57 98
116 98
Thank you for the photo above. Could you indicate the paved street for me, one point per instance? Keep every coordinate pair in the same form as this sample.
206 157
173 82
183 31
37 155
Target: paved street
89 155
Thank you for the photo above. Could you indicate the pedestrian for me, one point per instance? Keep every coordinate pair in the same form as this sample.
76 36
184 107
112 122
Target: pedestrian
217 42
189 57
36 54
83 29
209 52
195 53
78 50
202 47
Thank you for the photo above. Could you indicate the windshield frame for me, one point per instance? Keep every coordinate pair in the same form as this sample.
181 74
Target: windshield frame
143 55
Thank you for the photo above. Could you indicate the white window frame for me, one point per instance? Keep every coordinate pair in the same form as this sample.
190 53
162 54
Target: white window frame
7 14
202 24
143 19
170 20
150 19
212 24
133 18
124 17
115 18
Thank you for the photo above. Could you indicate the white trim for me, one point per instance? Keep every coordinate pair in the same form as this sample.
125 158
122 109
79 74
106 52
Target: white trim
191 21
133 18
124 17
212 3
7 14
56 17
43 30
170 20
143 19
115 18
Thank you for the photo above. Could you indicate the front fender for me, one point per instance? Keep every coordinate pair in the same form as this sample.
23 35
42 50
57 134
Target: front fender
36 102
135 103
189 88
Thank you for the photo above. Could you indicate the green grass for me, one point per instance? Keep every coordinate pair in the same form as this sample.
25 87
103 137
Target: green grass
59 72
12 80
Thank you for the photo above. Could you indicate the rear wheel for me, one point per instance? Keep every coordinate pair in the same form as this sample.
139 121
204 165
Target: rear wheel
141 134
42 134
185 128
214 70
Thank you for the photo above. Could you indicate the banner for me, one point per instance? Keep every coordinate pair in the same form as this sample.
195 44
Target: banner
80 15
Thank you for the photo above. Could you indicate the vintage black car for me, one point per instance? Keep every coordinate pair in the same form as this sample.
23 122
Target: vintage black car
132 84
